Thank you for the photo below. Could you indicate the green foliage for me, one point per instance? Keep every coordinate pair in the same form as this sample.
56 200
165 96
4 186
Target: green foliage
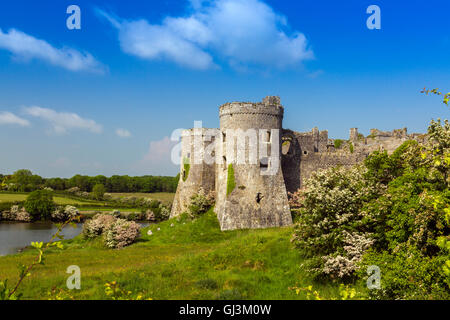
338 143
393 213
186 168
330 231
98 191
231 184
39 204
25 181
446 96
200 203
351 147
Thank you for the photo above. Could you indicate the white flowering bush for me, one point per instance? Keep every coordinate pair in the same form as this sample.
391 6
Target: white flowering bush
149 215
97 225
65 213
121 233
342 265
200 203
331 230
17 213
116 232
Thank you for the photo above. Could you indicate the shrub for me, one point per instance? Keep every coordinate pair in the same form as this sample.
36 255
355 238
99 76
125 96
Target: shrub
392 212
330 230
116 232
97 225
40 204
121 233
16 213
200 203
98 191
64 213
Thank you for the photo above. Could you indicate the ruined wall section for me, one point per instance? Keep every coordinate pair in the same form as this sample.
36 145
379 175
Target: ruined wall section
314 150
193 175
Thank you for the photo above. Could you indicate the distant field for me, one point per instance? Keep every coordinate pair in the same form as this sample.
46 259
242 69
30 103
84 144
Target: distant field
12 197
165 197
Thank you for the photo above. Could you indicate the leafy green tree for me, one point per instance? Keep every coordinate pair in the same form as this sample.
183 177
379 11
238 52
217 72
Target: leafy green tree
39 204
98 191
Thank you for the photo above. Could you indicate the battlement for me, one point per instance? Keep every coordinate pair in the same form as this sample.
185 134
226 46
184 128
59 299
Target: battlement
396 133
197 132
270 105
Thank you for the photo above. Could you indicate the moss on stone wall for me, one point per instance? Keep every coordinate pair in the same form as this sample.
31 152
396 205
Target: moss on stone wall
350 145
231 184
187 166
338 143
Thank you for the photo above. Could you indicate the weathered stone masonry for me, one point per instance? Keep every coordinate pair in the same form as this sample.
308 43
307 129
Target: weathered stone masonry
260 201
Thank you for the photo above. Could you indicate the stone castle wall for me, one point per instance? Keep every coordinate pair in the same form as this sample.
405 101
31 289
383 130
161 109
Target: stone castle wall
260 201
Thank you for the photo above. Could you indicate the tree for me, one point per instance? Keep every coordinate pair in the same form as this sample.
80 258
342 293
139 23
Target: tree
98 191
39 204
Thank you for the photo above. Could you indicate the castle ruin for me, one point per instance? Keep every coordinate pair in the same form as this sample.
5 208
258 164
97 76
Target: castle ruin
253 193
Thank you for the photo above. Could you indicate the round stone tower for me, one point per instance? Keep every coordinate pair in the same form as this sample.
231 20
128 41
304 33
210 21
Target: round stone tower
195 172
250 190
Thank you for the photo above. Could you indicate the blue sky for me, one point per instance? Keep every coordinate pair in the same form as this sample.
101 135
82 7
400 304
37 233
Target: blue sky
105 99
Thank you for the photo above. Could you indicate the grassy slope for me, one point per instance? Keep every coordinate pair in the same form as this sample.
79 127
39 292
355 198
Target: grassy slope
189 260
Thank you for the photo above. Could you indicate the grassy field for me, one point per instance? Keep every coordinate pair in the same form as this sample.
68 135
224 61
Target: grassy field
164 197
88 205
13 197
185 259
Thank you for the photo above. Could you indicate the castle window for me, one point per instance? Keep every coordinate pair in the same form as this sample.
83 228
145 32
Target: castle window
266 136
224 136
224 163
264 162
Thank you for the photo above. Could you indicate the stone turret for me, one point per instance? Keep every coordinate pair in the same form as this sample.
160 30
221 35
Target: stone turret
250 190
195 171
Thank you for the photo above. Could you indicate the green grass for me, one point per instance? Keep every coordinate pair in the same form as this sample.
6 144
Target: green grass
185 259
15 197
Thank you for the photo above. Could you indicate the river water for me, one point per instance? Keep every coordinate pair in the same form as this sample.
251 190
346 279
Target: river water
15 236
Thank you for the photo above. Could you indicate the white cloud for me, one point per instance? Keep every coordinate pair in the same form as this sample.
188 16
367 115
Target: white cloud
158 158
160 151
10 118
123 133
61 122
26 47
242 32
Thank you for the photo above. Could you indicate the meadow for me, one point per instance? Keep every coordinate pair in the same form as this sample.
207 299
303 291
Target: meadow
184 259
91 205
164 197
61 200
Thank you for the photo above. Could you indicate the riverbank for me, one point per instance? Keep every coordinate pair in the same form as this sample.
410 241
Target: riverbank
186 259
